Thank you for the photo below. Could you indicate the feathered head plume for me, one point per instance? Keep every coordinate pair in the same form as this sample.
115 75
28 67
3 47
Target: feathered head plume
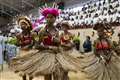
45 10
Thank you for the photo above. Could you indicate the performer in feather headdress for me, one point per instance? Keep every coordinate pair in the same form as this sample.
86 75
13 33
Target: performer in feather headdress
25 39
103 63
50 60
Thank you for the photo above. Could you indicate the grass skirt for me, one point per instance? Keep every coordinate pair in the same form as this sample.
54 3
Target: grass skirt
96 69
45 62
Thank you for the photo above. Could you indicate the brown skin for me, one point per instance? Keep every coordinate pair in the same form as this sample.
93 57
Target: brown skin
66 32
104 37
50 20
51 29
23 26
101 33
50 23
66 46
65 29
25 31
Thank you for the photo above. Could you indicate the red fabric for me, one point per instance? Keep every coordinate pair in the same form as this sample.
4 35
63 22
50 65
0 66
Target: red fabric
102 45
48 40
26 40
63 40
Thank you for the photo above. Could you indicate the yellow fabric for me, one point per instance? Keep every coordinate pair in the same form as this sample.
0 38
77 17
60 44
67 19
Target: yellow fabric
76 38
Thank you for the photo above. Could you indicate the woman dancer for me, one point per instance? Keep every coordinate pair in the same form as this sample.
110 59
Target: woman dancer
66 36
104 64
25 39
66 43
49 61
117 47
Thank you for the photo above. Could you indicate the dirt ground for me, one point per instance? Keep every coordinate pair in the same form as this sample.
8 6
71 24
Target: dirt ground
7 74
